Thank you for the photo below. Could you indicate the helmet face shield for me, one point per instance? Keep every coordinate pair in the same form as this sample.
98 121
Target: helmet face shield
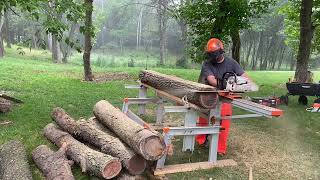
215 57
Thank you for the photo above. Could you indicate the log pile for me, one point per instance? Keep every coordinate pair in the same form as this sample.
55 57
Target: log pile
199 94
109 145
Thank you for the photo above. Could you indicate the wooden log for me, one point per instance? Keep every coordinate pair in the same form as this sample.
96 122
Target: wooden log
199 94
5 105
53 165
148 144
94 162
13 162
2 123
105 141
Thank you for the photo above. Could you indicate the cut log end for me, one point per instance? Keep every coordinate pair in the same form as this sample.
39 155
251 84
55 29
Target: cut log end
154 147
137 165
112 169
208 100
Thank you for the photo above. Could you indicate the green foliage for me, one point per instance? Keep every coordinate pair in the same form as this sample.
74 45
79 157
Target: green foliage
218 18
291 10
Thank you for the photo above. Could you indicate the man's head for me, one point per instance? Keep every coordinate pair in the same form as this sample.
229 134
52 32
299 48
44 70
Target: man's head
214 50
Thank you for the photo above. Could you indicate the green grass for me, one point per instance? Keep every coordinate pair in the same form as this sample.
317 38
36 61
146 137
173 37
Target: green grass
43 86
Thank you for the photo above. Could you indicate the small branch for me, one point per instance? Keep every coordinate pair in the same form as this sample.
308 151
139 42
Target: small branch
14 12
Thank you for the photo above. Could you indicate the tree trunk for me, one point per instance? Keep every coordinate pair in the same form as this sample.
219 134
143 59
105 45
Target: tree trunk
1 35
162 20
14 162
258 52
180 88
88 76
65 48
183 61
293 62
253 57
53 165
49 42
56 53
236 45
6 20
94 162
106 142
148 144
306 35
249 52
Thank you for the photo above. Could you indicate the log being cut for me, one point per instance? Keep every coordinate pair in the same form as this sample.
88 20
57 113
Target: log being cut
148 144
14 162
94 162
53 165
105 141
199 94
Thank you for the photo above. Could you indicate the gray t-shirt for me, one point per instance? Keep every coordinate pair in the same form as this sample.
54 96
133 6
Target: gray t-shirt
217 70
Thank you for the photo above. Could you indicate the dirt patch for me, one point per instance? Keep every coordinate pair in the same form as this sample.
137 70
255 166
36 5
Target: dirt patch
116 76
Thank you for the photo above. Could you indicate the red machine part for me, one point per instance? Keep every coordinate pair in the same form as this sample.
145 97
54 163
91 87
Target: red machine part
226 110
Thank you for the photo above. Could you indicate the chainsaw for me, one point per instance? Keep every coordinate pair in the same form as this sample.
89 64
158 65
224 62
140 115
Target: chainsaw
233 83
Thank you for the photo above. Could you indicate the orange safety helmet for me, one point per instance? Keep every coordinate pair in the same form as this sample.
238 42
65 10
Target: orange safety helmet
214 44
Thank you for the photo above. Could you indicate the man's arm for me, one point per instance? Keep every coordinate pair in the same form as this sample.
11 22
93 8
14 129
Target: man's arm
212 80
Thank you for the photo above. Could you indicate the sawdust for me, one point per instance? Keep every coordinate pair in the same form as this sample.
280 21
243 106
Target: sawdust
279 156
116 76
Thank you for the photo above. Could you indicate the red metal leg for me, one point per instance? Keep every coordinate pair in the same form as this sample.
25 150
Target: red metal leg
201 139
226 110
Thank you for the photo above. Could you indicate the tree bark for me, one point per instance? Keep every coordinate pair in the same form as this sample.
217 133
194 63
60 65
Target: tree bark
148 144
181 88
106 142
94 162
14 162
6 20
53 165
306 35
88 76
236 45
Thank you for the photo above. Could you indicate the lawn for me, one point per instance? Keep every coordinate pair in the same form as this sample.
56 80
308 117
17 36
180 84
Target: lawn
283 148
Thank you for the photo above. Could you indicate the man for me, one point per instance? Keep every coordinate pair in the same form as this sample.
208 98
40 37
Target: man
217 64
211 73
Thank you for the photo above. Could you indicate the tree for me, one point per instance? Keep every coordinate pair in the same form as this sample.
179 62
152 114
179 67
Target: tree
88 34
221 19
302 22
162 20
306 34
6 20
